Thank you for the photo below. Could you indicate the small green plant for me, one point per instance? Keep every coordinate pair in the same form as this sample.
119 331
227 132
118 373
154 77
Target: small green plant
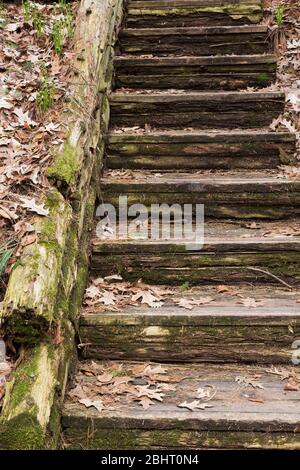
62 4
39 25
26 7
68 20
45 97
279 15
57 35
3 20
37 20
6 251
185 286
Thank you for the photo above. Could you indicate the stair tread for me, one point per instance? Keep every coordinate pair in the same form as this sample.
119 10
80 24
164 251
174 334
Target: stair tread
133 60
170 3
194 135
234 407
233 180
190 96
273 305
193 30
218 236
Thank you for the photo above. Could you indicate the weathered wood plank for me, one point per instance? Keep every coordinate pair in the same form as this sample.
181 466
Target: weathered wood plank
262 334
197 110
225 73
199 150
176 183
161 13
82 435
235 420
203 41
211 136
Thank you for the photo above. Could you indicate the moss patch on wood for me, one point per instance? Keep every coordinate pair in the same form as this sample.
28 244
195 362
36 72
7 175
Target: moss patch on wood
133 439
29 305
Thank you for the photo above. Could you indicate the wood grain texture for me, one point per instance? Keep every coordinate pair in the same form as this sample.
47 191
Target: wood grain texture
196 150
235 420
198 110
203 41
262 334
161 13
201 73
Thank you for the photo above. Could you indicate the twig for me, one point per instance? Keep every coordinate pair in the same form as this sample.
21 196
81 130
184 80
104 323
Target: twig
271 275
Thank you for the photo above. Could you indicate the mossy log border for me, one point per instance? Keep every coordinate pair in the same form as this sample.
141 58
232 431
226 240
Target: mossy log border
45 289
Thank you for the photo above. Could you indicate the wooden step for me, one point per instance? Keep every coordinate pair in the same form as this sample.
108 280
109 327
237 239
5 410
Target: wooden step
237 194
168 13
195 109
199 73
262 333
231 253
183 150
240 416
201 41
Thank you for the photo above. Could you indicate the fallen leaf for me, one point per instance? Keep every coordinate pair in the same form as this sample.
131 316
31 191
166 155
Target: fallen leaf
107 297
4 104
206 393
251 303
147 298
194 405
292 385
32 206
189 304
145 402
145 391
247 382
98 404
105 378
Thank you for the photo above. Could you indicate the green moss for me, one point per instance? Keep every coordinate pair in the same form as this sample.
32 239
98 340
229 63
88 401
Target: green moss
65 166
130 439
263 77
22 432
23 378
68 267
25 328
53 430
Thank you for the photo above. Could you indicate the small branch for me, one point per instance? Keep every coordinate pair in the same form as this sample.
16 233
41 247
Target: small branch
271 275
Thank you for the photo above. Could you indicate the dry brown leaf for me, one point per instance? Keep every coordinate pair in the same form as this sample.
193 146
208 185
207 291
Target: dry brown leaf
32 206
195 405
87 402
247 382
189 304
292 385
251 303
147 298
145 391
145 402
105 378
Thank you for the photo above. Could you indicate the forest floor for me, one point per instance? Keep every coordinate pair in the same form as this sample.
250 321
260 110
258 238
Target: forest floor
36 52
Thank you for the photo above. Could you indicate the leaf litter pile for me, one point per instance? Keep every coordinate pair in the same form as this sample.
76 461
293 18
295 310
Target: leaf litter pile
35 72
112 386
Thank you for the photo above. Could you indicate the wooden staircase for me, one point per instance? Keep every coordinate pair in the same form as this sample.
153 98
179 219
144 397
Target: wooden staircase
187 127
